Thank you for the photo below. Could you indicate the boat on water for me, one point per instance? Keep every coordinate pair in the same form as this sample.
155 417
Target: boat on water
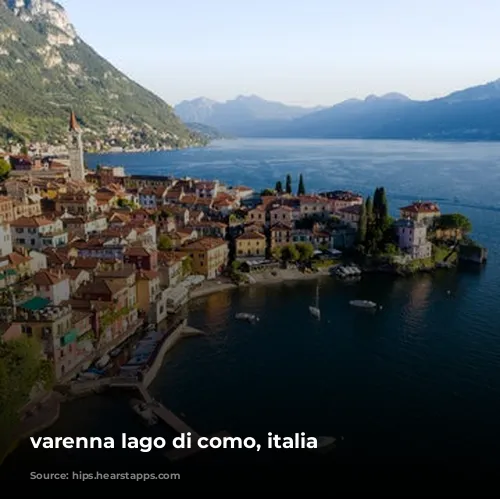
363 303
115 352
325 444
103 361
344 271
314 310
246 317
144 411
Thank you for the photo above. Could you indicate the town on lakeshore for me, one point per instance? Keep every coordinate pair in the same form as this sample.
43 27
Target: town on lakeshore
90 260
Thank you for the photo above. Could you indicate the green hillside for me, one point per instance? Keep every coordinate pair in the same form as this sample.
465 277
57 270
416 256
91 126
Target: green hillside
46 70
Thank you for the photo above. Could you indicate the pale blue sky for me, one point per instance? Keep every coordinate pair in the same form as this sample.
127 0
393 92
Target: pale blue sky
300 52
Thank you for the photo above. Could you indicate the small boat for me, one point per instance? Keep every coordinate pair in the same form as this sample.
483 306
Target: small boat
325 441
363 303
115 352
246 317
325 444
103 361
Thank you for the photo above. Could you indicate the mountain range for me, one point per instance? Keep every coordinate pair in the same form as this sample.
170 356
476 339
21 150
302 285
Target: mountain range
240 116
470 114
46 70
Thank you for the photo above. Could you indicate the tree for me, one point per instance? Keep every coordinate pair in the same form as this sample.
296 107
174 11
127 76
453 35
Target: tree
165 243
301 189
305 250
279 187
289 253
288 186
24 149
454 221
369 209
267 192
21 367
187 266
276 253
380 209
5 168
362 225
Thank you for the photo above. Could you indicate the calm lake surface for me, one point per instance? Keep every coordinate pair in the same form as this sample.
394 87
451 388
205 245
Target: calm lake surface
417 381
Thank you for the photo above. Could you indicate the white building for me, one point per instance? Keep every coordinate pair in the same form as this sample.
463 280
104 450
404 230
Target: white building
38 261
55 286
412 238
5 240
38 233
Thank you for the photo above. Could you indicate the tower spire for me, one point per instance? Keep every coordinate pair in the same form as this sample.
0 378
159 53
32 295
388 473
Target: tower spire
73 124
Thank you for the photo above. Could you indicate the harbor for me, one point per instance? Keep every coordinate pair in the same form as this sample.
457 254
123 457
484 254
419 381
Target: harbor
138 373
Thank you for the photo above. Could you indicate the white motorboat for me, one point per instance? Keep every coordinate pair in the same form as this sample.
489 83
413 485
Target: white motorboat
246 317
325 444
102 362
363 303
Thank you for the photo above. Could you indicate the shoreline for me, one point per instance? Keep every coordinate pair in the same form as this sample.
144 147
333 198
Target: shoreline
207 288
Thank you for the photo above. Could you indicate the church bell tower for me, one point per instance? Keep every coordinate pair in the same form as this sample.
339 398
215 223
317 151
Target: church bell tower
75 150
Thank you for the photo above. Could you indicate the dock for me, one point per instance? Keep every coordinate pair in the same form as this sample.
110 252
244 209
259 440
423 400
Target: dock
167 416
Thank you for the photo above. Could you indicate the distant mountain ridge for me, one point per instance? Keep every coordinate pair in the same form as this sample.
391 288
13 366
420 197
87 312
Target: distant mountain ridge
46 69
238 116
469 114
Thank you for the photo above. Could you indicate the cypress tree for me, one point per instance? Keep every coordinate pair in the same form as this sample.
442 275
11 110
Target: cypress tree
384 208
288 186
369 209
301 189
279 187
376 204
362 226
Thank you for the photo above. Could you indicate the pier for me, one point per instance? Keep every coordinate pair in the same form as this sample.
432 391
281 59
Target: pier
167 416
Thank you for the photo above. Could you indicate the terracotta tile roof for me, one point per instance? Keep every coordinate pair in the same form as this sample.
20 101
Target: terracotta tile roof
49 278
15 259
312 199
30 222
86 263
74 273
282 207
204 244
422 207
280 226
190 199
251 235
148 275
138 251
355 210
168 258
103 287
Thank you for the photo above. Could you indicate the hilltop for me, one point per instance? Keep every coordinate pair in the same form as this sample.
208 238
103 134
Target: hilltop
46 69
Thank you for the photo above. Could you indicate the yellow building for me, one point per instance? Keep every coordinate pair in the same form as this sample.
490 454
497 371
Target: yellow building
208 256
281 235
250 244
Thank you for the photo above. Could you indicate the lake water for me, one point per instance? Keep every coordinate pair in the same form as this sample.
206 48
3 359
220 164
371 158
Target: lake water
416 382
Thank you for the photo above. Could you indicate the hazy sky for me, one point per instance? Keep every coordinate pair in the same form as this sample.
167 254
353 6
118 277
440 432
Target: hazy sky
296 51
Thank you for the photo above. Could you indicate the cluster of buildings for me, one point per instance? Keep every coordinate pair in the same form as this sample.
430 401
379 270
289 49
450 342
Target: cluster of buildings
88 257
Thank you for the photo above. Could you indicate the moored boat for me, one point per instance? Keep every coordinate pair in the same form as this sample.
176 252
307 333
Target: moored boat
363 303
246 317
